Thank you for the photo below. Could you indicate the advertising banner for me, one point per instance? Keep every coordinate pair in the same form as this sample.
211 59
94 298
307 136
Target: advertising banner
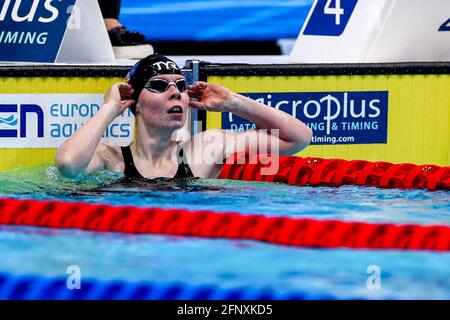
49 31
47 120
384 117
33 30
334 117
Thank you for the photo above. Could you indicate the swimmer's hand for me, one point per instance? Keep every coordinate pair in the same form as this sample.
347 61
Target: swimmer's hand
210 97
119 98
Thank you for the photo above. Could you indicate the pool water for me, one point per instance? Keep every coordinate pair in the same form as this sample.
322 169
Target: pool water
338 273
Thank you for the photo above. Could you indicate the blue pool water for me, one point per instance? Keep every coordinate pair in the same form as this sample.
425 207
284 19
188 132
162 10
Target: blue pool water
340 273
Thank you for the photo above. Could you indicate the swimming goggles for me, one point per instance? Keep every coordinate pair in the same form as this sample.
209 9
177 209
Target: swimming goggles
161 85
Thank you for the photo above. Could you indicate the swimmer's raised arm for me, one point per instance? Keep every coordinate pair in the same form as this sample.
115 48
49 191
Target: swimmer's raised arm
83 151
294 135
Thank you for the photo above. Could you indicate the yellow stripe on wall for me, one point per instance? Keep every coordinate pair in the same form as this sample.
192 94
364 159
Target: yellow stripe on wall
418 113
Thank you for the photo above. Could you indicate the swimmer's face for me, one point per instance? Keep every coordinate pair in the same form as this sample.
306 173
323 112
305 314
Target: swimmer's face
164 102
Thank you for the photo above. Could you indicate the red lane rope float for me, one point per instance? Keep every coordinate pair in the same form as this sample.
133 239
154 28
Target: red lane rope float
334 172
208 224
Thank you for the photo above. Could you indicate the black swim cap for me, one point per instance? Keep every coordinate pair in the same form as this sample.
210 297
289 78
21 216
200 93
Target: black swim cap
143 70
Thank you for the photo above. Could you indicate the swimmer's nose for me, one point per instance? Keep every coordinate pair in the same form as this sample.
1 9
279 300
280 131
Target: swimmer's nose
174 92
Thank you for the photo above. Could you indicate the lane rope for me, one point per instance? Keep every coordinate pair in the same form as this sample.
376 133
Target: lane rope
32 287
334 172
287 231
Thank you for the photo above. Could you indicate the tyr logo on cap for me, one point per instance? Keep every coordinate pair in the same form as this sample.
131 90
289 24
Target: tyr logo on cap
165 65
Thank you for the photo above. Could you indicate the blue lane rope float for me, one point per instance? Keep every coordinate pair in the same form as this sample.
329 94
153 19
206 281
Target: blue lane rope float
31 287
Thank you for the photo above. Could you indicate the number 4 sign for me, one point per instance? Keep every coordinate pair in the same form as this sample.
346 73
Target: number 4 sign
330 17
337 10
445 26
374 31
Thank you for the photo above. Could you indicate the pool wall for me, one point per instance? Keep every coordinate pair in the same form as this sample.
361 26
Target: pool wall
18 82
398 113
384 112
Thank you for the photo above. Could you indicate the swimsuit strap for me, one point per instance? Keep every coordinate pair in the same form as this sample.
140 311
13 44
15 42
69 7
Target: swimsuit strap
130 169
183 168
184 171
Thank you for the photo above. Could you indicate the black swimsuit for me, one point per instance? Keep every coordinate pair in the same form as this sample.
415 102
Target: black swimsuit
132 172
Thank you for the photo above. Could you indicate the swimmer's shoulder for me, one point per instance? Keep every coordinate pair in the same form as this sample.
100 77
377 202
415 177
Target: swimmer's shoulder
204 152
198 142
211 136
111 156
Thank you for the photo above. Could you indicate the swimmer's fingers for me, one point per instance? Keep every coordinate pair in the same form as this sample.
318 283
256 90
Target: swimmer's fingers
119 98
194 94
201 84
126 90
198 87
122 86
126 104
198 105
